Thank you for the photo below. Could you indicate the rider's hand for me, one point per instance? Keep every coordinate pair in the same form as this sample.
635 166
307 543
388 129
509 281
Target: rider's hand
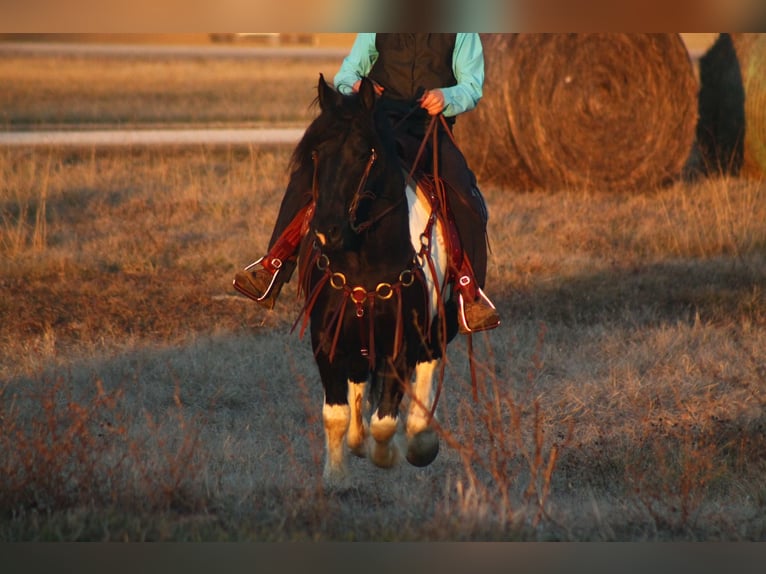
433 102
376 85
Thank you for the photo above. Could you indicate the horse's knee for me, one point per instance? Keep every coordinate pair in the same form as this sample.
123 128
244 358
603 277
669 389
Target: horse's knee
383 452
336 421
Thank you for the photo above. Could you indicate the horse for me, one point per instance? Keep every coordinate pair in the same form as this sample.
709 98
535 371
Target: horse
372 268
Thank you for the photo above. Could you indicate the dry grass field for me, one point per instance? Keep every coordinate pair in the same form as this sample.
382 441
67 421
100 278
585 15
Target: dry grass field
623 398
82 91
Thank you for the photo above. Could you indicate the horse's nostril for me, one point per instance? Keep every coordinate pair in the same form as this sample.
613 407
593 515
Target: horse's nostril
334 232
332 235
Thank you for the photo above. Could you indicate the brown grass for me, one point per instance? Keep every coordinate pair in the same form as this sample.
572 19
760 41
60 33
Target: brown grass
40 92
142 399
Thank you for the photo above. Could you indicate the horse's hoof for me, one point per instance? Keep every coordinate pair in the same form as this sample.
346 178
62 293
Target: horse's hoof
422 448
384 456
359 450
335 476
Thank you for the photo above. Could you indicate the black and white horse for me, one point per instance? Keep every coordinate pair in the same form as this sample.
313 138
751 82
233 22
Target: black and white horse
373 269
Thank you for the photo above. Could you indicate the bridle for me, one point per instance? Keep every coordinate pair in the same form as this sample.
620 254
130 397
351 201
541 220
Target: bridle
360 194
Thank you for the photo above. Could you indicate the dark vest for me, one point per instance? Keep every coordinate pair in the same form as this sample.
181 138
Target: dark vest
408 64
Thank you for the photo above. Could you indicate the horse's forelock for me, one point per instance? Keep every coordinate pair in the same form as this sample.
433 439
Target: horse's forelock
330 125
350 125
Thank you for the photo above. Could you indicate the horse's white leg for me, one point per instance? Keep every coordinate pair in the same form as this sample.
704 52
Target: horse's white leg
356 430
336 422
423 391
422 440
383 451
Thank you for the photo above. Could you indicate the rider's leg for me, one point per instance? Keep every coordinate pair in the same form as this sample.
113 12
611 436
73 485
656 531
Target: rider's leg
476 311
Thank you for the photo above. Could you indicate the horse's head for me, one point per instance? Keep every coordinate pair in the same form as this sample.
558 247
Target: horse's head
352 146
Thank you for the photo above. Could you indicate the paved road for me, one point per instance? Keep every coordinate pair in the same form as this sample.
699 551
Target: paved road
151 137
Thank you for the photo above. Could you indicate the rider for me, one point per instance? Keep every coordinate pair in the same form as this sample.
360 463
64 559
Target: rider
443 73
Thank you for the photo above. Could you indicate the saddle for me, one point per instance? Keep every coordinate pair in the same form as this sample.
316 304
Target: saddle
458 263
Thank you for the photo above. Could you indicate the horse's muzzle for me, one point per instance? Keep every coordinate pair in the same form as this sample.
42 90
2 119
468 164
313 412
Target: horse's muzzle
330 236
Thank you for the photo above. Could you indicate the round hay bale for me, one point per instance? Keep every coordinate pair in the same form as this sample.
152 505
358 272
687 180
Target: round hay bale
599 111
751 52
484 134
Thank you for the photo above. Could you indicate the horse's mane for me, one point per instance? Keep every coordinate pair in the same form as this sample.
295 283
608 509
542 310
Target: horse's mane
332 123
311 137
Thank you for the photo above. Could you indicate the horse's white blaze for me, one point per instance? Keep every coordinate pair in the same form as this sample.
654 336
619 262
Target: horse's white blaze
356 431
336 422
420 211
423 392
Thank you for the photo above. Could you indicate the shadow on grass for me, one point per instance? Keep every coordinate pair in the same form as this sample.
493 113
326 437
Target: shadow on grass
717 291
252 400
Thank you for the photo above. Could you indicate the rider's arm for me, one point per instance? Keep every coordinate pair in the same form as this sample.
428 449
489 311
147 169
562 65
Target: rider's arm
468 67
357 64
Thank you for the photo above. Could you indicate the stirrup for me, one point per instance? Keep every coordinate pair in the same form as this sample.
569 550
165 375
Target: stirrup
463 320
277 264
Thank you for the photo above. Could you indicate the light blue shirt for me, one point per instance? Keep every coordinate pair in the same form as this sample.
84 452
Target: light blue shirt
467 66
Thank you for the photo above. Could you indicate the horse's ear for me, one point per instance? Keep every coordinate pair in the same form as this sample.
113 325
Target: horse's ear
367 93
327 96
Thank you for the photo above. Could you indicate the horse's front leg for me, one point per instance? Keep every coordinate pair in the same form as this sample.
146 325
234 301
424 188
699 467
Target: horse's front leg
385 420
336 416
357 432
422 440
